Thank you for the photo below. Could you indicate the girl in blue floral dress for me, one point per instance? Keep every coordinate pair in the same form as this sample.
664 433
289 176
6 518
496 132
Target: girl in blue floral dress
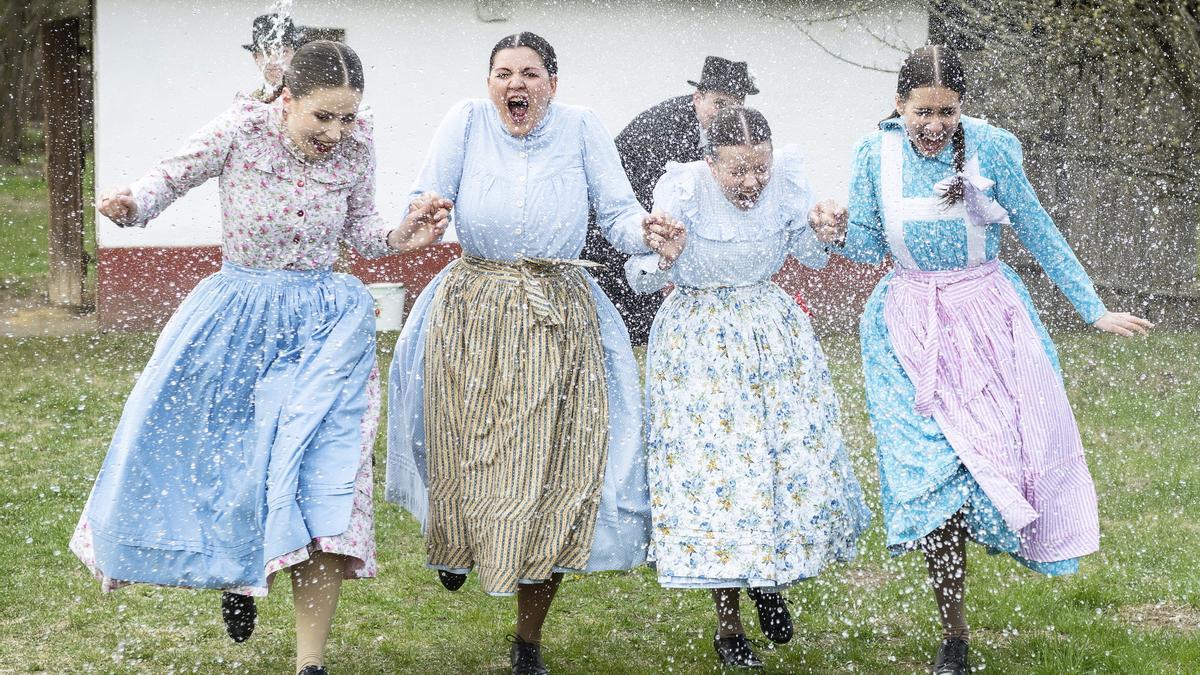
976 439
750 483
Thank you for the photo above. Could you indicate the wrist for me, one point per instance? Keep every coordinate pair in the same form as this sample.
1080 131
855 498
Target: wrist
397 241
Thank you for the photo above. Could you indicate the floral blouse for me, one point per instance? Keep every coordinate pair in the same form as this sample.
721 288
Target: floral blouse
278 209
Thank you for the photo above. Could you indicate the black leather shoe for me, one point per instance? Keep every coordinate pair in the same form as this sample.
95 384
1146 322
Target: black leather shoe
239 614
952 658
451 581
526 658
735 652
313 670
774 618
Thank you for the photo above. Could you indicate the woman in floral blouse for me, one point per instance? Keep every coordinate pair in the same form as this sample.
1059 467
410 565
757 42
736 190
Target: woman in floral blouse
244 447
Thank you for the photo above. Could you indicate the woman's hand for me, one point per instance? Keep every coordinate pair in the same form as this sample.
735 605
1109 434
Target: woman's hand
1123 323
118 206
665 236
830 221
427 220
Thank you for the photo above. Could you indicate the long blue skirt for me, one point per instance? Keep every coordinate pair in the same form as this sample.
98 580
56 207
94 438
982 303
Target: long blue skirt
241 439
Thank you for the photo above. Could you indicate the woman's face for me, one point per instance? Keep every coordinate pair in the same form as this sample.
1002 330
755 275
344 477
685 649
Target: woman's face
742 172
931 114
318 122
520 88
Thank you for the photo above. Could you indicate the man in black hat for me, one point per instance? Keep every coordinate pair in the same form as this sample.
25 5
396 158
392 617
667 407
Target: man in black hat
273 41
672 131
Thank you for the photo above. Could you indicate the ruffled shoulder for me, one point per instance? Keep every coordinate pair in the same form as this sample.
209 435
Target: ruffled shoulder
675 191
866 151
998 150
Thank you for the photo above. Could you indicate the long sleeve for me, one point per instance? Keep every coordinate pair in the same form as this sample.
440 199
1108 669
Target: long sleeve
618 213
672 195
201 157
365 230
865 242
1038 233
798 201
443 166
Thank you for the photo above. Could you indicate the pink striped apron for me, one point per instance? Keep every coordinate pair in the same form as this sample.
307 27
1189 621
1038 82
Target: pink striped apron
965 339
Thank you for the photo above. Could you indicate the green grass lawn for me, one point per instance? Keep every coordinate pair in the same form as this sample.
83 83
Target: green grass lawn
1135 608
23 224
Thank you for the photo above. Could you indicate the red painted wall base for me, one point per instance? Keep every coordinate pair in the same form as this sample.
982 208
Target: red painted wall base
139 288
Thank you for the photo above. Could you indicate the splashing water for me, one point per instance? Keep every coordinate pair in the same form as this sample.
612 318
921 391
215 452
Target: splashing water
280 13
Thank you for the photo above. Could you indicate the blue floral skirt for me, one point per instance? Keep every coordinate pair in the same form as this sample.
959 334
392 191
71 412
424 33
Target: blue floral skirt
750 483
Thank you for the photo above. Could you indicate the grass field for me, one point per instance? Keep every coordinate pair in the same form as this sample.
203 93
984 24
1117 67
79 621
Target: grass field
1135 608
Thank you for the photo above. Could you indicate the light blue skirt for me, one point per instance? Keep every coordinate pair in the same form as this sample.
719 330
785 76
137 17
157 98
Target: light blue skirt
241 439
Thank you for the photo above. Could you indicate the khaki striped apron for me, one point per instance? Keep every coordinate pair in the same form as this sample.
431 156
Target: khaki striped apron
516 419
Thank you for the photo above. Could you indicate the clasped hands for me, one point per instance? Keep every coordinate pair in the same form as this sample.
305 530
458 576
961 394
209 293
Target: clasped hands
830 221
665 235
427 219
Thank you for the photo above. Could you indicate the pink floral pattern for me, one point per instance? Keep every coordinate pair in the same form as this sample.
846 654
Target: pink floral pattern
278 210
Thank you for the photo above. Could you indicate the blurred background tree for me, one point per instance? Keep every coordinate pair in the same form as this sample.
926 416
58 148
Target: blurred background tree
21 109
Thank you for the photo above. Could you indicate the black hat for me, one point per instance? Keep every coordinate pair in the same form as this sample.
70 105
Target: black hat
731 77
271 27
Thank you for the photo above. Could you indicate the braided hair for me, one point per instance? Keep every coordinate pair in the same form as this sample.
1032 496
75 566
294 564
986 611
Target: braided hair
938 66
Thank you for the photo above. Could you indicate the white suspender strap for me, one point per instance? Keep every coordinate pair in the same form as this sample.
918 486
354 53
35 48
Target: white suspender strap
891 184
976 234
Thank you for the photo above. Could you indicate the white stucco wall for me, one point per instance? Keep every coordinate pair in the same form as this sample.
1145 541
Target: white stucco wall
165 67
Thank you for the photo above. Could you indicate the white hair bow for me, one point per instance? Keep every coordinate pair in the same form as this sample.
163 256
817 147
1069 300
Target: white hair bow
982 210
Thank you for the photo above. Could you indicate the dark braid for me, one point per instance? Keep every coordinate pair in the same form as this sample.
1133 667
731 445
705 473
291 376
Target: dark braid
938 66
954 193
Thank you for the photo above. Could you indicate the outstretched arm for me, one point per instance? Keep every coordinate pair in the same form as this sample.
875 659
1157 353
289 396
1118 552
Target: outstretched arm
201 157
1038 233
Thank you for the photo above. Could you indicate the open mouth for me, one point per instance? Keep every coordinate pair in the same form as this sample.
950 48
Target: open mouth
518 108
930 144
746 200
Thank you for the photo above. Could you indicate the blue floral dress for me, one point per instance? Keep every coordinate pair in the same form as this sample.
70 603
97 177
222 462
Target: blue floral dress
923 483
750 482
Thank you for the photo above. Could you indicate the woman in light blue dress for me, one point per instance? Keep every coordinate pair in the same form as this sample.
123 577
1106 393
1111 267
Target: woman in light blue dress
515 416
975 435
750 483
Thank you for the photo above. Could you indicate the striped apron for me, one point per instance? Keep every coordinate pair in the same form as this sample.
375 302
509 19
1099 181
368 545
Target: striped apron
516 421
966 341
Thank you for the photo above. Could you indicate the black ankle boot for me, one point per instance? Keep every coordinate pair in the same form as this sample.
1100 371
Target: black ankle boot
774 618
735 652
239 614
451 581
526 658
313 670
952 658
